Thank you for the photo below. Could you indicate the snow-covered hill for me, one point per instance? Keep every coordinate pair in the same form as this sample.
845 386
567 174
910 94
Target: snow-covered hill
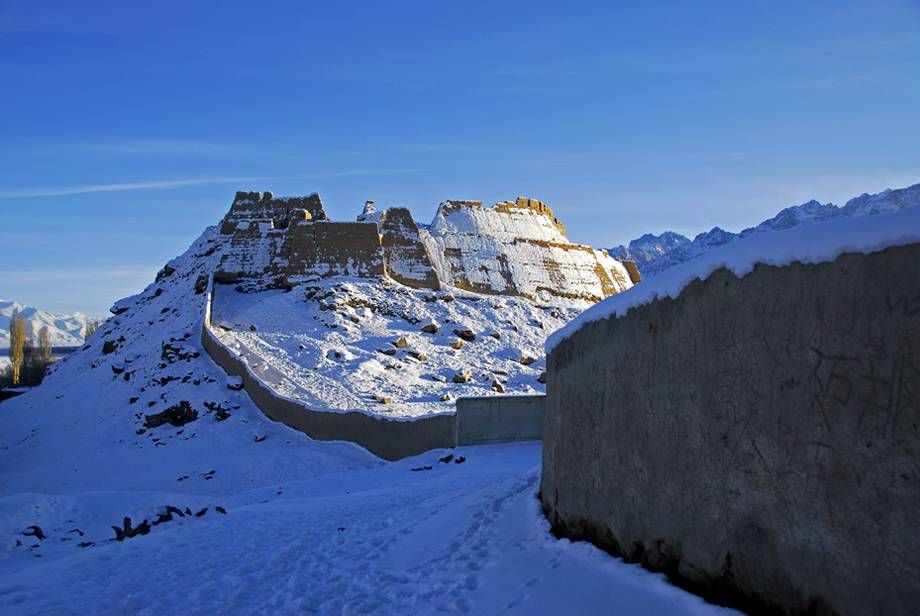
66 330
655 255
137 437
359 345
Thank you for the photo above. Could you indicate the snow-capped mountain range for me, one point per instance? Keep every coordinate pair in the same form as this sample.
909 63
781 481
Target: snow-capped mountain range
65 331
655 254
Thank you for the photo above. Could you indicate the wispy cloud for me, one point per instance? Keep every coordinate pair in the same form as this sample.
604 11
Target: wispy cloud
162 147
57 191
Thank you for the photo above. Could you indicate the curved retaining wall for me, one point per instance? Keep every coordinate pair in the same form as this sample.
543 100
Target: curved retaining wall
758 439
478 421
389 439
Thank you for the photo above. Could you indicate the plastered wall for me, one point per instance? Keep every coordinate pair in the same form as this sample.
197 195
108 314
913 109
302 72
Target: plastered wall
757 439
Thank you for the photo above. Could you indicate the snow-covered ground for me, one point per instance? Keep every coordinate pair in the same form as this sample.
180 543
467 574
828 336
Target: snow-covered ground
246 516
466 538
335 346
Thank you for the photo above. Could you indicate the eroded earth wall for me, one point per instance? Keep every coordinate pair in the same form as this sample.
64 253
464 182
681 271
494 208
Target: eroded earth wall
517 248
757 439
328 248
406 257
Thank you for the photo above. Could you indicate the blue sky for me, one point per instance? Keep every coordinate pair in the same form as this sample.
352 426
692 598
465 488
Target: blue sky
127 127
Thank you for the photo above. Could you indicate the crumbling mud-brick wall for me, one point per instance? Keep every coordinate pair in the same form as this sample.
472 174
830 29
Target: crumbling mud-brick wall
517 248
758 439
257 225
264 207
405 255
335 249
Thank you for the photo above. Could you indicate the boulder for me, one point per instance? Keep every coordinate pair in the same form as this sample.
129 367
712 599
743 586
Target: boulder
465 334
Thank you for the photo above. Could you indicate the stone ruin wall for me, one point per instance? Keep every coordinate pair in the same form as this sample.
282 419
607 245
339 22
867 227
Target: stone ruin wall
407 258
757 439
283 241
335 249
518 248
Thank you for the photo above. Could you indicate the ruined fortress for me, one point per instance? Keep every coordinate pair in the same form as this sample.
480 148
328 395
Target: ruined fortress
513 248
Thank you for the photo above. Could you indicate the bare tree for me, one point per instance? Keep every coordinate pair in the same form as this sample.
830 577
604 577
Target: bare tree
17 342
44 345
91 327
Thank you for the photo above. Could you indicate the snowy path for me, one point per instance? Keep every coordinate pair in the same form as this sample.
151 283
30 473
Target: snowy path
461 537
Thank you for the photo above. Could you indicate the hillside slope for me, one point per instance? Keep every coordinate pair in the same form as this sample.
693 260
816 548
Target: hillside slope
134 480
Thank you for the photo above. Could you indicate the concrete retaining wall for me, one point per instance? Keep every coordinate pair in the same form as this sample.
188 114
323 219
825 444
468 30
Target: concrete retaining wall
478 421
387 438
499 419
757 439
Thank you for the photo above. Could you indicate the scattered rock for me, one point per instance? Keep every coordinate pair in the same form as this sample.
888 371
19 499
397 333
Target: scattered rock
201 284
118 367
496 335
127 532
446 459
177 415
528 360
446 397
402 342
252 328
542 378
235 383
447 297
465 334
220 412
500 372
177 352
430 328
456 344
463 377
109 347
167 270
388 351
35 531
166 517
419 356
438 377
496 386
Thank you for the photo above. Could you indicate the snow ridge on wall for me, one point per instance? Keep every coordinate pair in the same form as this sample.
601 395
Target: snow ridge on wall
812 244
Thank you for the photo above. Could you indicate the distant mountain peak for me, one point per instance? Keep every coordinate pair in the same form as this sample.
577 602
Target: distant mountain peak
654 255
65 330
